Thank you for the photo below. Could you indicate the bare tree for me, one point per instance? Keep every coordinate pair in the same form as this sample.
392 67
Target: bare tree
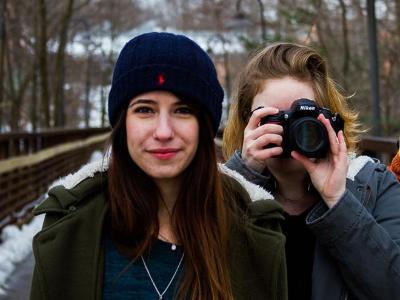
42 58
18 54
34 91
2 52
35 39
346 49
59 110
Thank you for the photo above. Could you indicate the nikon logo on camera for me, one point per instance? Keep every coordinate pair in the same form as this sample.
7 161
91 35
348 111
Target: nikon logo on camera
305 107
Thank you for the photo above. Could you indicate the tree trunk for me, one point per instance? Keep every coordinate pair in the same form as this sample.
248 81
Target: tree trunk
2 53
17 87
18 72
11 92
397 11
262 22
321 36
33 106
59 110
42 58
87 89
346 49
103 100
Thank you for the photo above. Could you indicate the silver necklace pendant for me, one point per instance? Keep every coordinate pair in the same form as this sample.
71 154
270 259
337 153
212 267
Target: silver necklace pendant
163 238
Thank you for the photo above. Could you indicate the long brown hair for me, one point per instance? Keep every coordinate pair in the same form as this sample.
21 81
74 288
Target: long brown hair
277 61
201 216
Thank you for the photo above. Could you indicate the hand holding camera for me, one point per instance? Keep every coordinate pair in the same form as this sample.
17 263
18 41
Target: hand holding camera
256 137
302 131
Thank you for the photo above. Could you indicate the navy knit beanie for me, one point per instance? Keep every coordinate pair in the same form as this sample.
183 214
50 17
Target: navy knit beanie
165 61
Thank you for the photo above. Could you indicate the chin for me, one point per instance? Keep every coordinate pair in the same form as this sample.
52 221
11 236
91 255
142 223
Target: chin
162 174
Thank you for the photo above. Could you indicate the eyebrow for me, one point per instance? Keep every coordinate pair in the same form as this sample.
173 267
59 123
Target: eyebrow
150 101
142 101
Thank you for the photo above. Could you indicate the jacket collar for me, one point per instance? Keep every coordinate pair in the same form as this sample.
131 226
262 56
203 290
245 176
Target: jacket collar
87 171
356 164
91 169
255 192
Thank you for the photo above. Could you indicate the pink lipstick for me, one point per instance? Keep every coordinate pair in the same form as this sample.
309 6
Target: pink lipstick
164 153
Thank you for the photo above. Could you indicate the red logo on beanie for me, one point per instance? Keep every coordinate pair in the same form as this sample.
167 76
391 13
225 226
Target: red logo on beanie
161 79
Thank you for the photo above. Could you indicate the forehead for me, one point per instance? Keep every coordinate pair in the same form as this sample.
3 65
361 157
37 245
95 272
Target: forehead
282 92
155 97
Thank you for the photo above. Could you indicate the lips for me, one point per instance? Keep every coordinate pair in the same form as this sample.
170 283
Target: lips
164 153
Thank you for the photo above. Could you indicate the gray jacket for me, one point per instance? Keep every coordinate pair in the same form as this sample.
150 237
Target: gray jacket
357 252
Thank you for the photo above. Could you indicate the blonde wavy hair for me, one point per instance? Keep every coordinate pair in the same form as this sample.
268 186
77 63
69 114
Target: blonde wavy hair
277 61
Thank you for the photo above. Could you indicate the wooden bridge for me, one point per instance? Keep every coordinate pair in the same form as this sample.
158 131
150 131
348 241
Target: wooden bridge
30 162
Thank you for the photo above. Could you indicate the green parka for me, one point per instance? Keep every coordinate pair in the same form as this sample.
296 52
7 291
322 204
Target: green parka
69 251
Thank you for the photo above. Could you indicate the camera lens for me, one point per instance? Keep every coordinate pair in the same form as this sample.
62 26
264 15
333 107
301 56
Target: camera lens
309 137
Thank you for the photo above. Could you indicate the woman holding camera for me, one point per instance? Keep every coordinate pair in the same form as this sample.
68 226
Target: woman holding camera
160 220
342 212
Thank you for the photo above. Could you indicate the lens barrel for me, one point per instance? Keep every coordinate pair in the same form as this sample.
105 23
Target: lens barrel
309 137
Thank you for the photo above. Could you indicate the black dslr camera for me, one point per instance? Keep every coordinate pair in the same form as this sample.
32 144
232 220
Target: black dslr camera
302 131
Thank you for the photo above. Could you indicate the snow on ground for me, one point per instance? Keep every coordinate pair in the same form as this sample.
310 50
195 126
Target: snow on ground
17 242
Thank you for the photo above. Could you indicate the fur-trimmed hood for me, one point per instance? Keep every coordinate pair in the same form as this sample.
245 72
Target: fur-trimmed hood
255 192
89 170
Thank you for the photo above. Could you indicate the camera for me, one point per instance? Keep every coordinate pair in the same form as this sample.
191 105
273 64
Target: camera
302 131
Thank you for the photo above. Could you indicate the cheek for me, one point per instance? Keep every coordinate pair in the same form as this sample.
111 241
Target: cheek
195 144
189 135
134 135
194 135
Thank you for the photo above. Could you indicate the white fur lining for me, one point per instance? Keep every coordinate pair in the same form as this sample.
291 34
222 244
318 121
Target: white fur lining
84 172
258 193
255 192
89 170
356 164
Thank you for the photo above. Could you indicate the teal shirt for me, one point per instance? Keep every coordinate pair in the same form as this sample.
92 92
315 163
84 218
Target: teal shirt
125 279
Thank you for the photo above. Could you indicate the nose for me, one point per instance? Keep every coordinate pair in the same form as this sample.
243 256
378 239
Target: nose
164 130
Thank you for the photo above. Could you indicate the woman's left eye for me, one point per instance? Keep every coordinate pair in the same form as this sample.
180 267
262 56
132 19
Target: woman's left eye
184 110
143 110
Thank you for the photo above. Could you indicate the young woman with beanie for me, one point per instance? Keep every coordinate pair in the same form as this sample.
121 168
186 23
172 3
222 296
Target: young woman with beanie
159 219
342 212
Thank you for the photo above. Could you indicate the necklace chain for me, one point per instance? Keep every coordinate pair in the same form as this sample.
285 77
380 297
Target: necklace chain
170 281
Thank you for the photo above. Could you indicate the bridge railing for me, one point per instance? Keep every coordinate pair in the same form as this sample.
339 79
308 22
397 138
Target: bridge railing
383 148
15 144
24 179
